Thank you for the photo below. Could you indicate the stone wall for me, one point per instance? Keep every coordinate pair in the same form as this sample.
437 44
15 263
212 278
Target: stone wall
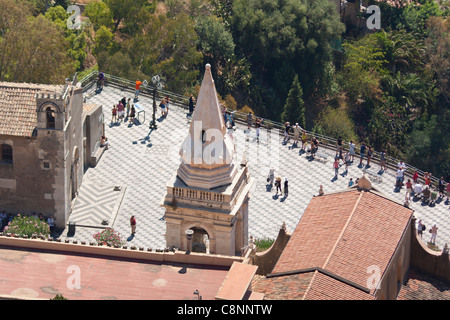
266 260
434 263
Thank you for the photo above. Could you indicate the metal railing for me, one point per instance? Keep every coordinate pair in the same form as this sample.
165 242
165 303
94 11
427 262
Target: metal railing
89 81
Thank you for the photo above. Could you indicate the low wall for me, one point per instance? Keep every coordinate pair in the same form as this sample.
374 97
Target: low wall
434 263
266 260
122 253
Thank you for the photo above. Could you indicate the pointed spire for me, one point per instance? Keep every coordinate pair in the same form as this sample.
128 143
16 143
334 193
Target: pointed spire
207 152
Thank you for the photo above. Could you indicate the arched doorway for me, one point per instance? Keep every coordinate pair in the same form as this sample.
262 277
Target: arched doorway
200 240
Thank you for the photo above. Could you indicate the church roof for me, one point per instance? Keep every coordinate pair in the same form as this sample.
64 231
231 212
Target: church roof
336 240
18 106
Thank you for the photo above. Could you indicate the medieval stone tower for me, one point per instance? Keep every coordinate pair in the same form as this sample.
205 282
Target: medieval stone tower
209 193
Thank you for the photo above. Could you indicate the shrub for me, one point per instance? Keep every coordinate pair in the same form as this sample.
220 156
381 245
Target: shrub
109 237
263 244
27 226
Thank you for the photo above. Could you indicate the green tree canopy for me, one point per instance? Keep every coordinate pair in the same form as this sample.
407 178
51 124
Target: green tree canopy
294 109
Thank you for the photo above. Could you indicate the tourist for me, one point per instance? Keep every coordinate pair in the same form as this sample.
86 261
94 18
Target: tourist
278 185
417 189
336 167
426 194
399 178
104 143
362 152
314 146
271 176
441 187
297 130
304 139
51 223
133 225
137 89
162 106
351 150
420 228
415 176
132 114
286 187
350 182
339 142
258 128
249 120
383 160
128 107
287 128
408 190
427 177
114 114
120 109
448 190
191 104
346 161
321 193
167 106
101 80
433 231
369 156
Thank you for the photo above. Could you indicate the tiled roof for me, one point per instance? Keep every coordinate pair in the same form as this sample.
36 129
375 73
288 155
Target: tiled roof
339 235
18 107
420 286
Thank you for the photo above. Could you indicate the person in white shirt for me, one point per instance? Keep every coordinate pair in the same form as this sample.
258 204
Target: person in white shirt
417 189
351 150
51 223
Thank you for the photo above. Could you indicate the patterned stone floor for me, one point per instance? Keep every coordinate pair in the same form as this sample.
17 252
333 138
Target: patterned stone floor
142 161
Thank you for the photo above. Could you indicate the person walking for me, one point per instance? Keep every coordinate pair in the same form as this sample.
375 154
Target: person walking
278 185
132 114
287 128
347 161
258 128
133 225
286 187
120 108
420 228
271 177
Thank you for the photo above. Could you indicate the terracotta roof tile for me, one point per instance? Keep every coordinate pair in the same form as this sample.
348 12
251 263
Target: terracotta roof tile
420 286
341 234
18 107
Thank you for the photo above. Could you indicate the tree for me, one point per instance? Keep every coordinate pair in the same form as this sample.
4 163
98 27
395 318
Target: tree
298 34
32 49
294 110
99 14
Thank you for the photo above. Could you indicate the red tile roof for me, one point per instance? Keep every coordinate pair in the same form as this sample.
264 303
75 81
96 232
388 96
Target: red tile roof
420 286
18 106
337 239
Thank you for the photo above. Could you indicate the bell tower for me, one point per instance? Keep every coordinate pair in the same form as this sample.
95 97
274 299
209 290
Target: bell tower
209 193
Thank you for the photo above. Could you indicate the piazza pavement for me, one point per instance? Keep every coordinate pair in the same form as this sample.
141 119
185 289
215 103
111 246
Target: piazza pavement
131 176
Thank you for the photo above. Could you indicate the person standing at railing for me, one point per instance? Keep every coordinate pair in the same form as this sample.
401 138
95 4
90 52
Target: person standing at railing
249 120
351 151
297 130
383 160
362 152
137 89
304 139
191 104
369 156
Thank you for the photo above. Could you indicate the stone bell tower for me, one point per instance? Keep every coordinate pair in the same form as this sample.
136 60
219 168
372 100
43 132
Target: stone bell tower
209 192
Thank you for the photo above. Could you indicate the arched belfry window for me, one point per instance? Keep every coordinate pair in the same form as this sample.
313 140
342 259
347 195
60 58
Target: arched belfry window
6 154
50 113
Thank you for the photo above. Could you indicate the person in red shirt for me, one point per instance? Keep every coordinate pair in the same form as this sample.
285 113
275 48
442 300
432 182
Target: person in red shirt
133 225
138 87
415 177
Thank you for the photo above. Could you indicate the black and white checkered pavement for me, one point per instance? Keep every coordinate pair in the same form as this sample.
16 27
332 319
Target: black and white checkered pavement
142 161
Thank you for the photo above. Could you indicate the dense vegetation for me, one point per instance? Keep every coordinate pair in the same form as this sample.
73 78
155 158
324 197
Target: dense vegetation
283 59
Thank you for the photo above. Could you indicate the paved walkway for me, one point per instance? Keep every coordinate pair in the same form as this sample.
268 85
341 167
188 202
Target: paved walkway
142 161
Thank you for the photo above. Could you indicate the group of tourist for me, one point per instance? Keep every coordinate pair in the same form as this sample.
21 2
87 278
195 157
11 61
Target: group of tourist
6 218
118 111
164 106
282 187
